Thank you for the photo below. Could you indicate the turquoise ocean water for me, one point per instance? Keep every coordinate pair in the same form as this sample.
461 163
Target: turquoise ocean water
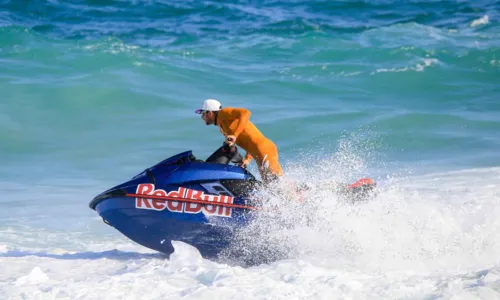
92 92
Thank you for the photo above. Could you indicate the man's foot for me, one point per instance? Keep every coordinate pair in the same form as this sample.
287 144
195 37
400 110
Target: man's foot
360 190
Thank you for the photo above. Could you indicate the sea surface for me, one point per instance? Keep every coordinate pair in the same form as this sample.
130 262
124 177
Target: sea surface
405 92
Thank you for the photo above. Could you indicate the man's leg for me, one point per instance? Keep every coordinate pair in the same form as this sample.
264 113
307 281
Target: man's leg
269 166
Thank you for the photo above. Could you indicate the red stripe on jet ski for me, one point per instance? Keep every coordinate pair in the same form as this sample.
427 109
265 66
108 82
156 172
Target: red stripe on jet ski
192 201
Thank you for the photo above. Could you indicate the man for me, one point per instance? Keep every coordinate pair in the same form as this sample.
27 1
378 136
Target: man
235 125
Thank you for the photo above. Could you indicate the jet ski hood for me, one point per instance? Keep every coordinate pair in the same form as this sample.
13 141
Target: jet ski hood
178 170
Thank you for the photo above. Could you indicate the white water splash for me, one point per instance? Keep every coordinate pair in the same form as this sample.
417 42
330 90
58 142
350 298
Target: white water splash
434 236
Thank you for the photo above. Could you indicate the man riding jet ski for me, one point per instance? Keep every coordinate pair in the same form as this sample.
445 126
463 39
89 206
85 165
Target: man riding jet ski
235 125
201 203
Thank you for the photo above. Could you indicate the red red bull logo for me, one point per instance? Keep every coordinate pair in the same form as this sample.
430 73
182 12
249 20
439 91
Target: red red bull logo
183 206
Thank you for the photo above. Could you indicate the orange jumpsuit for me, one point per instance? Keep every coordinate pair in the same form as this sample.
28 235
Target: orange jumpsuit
236 121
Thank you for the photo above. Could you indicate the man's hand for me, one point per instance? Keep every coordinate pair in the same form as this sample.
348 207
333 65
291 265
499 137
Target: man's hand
244 163
230 140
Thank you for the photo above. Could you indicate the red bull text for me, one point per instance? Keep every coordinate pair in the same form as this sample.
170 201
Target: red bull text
181 206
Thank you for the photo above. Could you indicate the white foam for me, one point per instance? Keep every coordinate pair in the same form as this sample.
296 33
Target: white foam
292 279
481 21
36 276
419 67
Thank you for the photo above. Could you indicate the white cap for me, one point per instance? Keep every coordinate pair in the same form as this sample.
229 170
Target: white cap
210 105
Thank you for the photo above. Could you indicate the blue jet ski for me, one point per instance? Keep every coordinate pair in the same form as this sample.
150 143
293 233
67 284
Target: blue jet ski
182 198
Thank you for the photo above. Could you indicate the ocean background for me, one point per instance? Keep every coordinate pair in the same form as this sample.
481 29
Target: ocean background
405 92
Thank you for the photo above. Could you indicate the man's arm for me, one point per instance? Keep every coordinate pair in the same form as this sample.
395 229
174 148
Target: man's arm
248 157
242 116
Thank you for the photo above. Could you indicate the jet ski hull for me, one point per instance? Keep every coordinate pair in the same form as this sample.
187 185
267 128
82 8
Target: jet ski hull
156 229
